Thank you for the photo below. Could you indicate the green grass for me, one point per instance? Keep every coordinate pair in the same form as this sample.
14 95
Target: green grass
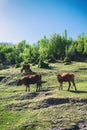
47 109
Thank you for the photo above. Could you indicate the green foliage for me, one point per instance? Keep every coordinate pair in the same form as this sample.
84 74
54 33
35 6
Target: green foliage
20 46
43 48
85 45
52 49
80 44
71 51
7 54
67 60
43 64
17 65
56 46
65 34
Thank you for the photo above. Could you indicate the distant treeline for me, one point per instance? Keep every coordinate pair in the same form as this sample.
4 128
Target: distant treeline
46 50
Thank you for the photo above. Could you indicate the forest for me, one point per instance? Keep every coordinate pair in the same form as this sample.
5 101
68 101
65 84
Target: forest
46 50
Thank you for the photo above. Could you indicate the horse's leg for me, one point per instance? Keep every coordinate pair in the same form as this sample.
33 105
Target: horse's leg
74 86
69 86
28 88
40 85
36 87
61 87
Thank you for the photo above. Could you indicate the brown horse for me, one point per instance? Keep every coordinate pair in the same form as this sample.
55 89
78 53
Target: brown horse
30 79
66 77
26 68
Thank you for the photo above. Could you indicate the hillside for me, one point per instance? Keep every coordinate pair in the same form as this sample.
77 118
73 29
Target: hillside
48 109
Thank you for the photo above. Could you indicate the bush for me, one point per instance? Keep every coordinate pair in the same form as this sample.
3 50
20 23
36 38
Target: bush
17 66
43 64
67 60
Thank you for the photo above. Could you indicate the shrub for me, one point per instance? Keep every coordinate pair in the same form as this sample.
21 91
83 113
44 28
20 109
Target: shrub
17 65
43 64
67 60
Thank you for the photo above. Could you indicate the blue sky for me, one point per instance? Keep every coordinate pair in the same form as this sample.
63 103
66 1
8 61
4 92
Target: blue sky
30 20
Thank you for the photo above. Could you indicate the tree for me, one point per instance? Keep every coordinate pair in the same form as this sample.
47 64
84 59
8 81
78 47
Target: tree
43 48
65 34
55 45
2 54
7 54
71 52
85 45
20 46
80 44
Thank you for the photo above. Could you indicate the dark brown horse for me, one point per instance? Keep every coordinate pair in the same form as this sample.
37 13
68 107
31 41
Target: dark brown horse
26 68
30 79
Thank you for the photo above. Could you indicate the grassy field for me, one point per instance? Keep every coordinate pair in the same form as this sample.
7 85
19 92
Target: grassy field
48 109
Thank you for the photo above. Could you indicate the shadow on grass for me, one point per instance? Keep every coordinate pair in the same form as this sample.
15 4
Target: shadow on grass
78 91
43 81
